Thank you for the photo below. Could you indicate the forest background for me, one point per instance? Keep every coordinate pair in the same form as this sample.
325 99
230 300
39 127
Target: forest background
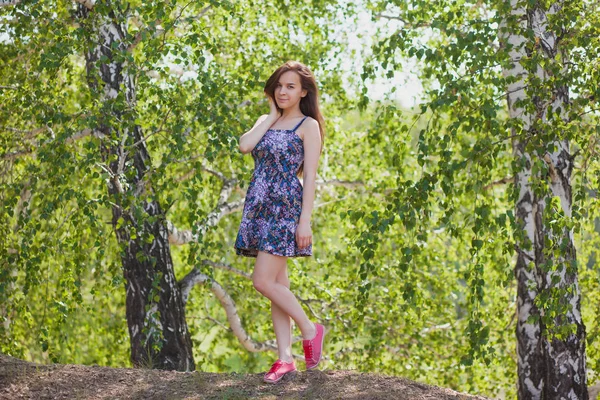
414 222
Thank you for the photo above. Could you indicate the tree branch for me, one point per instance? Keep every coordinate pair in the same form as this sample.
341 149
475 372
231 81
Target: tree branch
226 267
183 237
196 277
138 36
30 134
221 209
4 3
89 4
498 182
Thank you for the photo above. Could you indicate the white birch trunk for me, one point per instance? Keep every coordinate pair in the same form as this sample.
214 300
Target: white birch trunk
155 309
547 368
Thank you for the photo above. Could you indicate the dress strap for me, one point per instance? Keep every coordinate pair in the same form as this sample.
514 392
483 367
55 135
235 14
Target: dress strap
299 123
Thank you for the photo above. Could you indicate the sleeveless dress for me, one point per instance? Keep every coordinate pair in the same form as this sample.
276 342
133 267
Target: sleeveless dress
274 198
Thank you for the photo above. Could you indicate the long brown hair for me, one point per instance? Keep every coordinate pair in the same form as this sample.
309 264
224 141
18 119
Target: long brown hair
309 104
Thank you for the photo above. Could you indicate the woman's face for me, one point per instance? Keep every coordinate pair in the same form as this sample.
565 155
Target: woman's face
288 91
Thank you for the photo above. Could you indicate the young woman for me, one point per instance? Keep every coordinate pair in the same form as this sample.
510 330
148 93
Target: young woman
285 144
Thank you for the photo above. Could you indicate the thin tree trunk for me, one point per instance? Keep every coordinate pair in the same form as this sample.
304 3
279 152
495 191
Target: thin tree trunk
155 310
548 367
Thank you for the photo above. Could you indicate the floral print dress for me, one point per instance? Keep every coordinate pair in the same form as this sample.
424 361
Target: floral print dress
274 198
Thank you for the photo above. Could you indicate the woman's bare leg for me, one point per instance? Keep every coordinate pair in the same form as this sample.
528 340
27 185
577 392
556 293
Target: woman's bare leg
282 323
266 269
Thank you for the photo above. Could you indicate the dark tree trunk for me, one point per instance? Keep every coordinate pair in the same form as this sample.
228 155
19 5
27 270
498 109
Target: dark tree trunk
155 310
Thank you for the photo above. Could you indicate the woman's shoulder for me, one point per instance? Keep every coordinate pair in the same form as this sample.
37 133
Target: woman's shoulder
310 121
309 125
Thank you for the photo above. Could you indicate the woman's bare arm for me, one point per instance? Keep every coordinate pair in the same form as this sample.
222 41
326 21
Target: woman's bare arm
249 139
312 151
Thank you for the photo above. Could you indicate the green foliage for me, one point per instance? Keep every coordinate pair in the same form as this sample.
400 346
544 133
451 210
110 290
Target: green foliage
413 261
465 147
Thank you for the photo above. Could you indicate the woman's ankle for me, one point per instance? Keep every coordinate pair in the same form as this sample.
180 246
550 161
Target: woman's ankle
312 333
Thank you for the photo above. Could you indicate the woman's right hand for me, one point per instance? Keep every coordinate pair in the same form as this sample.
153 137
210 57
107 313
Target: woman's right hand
274 111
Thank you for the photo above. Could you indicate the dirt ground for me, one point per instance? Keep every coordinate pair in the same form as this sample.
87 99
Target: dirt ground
24 380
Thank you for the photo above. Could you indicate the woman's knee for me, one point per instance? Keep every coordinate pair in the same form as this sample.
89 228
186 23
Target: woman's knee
263 285
260 285
266 266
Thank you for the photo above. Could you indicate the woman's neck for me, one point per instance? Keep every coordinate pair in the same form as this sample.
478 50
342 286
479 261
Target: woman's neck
292 114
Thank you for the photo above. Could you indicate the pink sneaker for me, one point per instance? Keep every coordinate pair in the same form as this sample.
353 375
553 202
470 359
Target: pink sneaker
280 369
314 347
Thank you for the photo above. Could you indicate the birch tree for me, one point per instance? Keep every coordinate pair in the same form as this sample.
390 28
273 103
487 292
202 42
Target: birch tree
471 56
550 331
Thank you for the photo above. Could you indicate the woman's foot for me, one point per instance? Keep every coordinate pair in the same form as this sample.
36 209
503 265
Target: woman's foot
313 348
280 369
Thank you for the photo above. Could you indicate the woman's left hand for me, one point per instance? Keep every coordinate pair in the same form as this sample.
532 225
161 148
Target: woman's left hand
303 234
